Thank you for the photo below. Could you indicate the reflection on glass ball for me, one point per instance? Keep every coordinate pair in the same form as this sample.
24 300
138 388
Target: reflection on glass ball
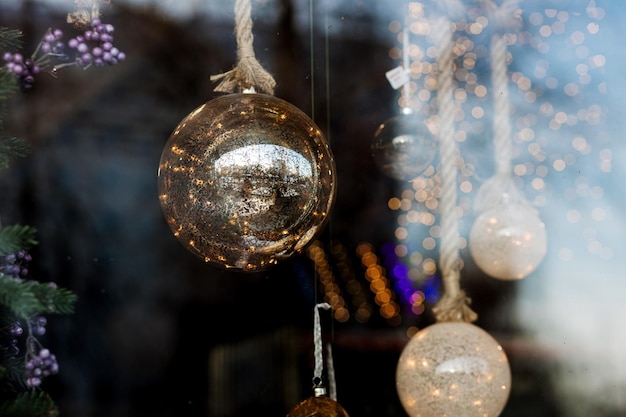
246 180
318 407
509 241
403 147
453 369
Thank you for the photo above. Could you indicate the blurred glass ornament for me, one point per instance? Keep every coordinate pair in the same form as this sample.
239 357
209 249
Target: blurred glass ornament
318 406
453 369
509 240
246 180
403 146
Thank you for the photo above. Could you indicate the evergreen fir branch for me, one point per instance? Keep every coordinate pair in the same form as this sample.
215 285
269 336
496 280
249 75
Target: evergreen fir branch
28 298
11 148
8 84
55 300
10 39
16 237
19 298
29 404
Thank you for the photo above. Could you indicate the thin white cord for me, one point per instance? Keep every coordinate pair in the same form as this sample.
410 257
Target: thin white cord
332 386
406 63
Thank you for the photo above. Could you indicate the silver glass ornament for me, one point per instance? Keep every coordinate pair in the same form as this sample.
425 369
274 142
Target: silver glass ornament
246 180
403 146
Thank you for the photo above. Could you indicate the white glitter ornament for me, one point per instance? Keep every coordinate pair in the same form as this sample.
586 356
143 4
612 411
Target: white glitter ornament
453 369
508 241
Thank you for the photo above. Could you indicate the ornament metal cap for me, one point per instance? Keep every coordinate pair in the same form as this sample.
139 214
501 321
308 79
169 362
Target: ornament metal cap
319 391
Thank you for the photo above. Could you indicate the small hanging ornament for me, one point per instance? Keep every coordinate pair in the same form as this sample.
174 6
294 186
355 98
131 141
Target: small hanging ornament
452 367
320 405
246 180
508 240
403 146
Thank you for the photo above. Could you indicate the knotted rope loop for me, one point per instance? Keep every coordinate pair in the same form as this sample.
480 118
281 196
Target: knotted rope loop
248 73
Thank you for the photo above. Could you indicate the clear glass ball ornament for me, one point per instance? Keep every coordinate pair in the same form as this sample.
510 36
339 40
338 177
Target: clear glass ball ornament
508 241
403 147
453 369
318 406
246 180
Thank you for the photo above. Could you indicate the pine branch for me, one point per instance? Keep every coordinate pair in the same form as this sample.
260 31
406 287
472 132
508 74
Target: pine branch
11 148
8 84
29 404
10 39
16 237
54 299
19 298
28 298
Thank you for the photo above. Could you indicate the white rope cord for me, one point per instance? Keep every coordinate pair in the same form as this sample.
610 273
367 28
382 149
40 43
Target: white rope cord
501 107
453 305
248 74
505 19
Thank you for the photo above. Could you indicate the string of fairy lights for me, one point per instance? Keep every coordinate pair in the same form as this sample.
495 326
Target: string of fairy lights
557 88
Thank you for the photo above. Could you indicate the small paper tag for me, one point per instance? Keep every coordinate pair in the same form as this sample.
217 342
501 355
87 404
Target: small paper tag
397 77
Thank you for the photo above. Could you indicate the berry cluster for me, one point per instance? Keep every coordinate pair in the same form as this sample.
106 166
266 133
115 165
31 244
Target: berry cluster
95 46
11 332
23 68
38 326
39 365
15 265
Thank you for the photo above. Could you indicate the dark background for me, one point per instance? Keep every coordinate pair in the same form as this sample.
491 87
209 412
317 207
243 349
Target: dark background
157 332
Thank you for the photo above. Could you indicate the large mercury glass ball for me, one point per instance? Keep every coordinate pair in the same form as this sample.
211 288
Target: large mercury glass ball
246 180
403 147
508 241
453 369
321 406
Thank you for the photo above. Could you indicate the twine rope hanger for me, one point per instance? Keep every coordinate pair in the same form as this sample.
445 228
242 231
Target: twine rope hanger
454 304
248 74
86 11
506 19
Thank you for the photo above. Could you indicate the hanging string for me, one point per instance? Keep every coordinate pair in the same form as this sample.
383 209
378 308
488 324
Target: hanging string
319 355
454 304
248 74
505 18
332 386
